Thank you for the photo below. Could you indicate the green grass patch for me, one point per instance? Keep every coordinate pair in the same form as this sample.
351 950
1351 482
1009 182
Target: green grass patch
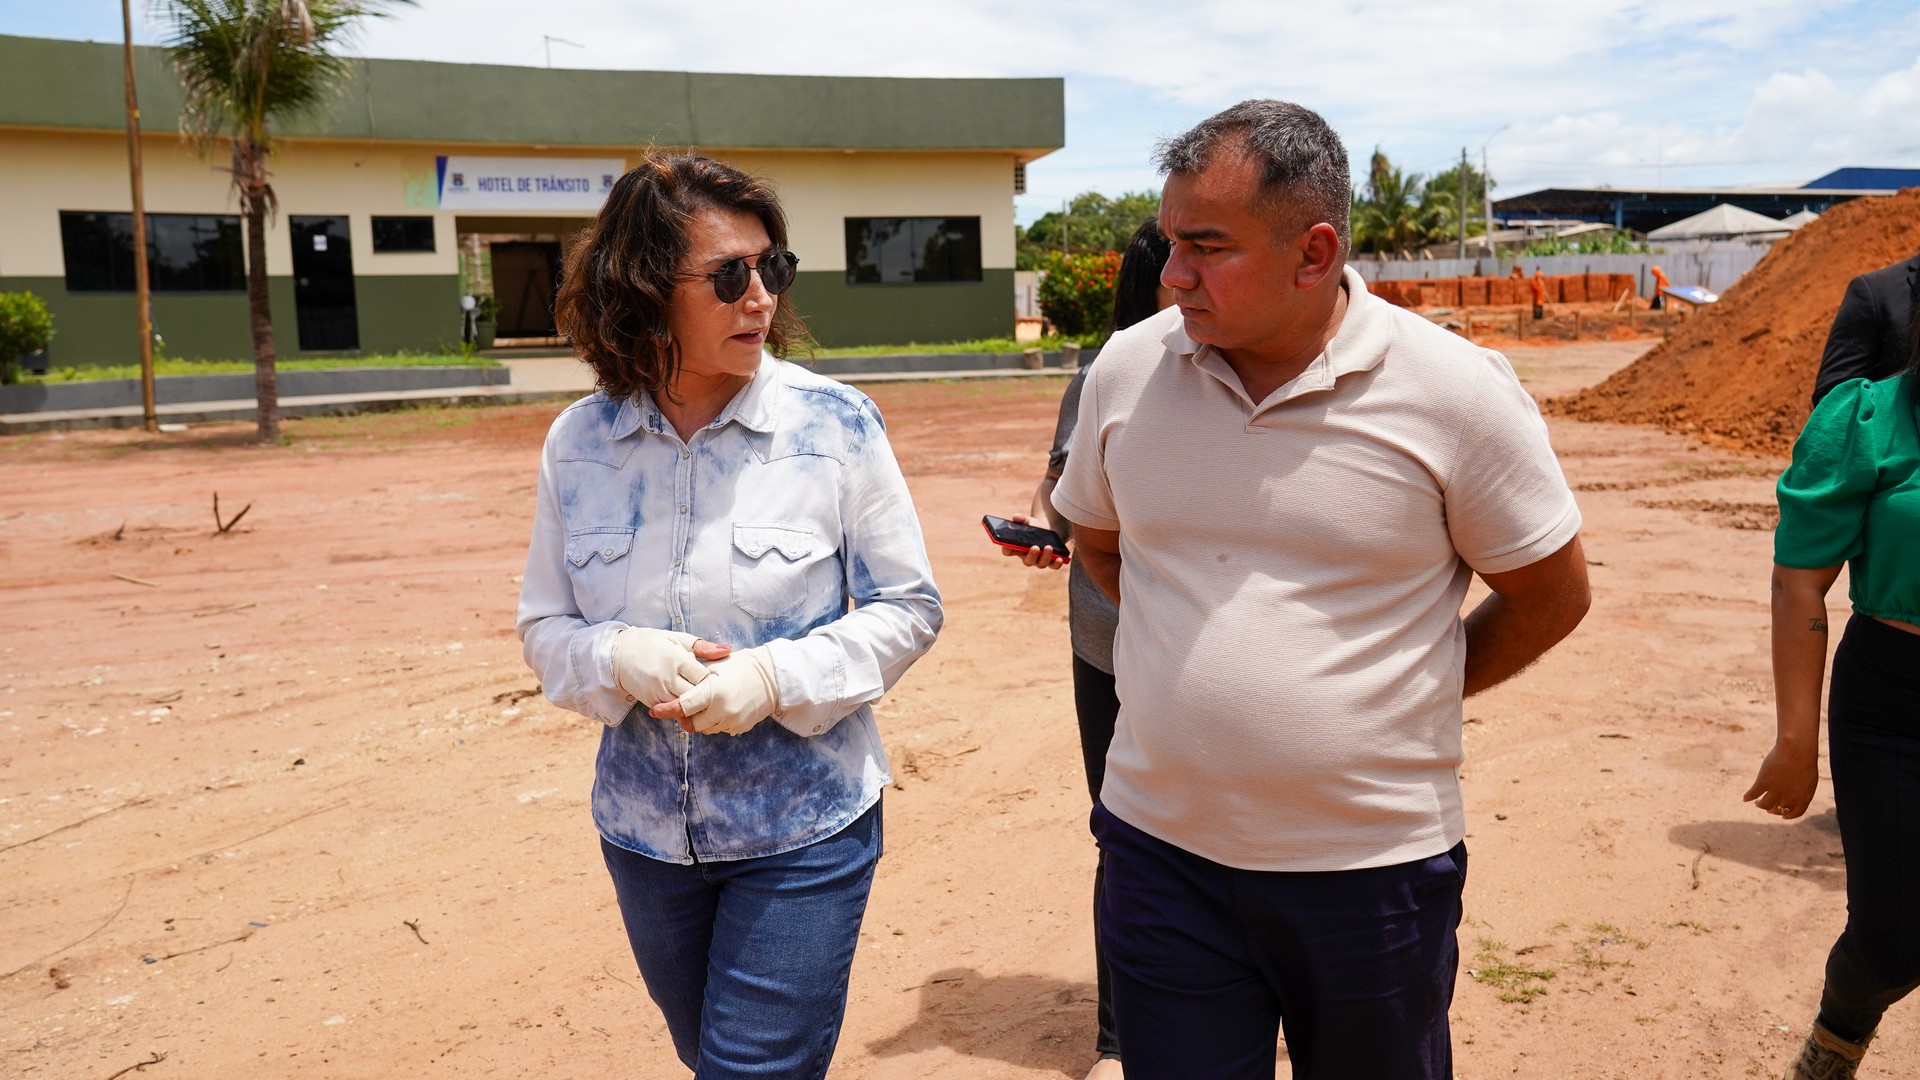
977 345
167 366
1586 952
1515 982
411 422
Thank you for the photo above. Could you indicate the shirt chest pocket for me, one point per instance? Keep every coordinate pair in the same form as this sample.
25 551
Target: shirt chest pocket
771 568
597 564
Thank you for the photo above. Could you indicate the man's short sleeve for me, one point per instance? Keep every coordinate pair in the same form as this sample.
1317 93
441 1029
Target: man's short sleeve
1508 504
1083 495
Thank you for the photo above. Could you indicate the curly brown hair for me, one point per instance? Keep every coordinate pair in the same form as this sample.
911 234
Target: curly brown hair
622 268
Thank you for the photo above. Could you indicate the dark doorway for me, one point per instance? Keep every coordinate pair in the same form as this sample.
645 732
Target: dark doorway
323 283
525 277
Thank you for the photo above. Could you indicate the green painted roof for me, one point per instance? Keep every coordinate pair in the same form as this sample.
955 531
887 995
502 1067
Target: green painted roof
71 84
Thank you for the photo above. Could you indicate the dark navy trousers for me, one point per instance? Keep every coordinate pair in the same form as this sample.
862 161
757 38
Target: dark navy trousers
1210 964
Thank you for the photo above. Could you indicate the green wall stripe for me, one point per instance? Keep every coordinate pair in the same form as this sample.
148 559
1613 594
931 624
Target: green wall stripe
416 313
843 314
421 313
51 83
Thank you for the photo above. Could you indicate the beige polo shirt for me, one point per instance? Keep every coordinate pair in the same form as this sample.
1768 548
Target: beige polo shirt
1290 652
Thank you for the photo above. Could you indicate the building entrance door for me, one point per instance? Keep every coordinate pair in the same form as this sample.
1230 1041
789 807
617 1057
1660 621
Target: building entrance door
526 274
323 283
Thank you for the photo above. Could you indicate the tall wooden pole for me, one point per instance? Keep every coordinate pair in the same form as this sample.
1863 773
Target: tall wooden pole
143 318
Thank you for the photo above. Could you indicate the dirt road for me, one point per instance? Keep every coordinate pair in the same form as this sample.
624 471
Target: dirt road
283 802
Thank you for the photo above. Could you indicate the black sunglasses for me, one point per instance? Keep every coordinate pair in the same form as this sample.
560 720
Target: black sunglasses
776 270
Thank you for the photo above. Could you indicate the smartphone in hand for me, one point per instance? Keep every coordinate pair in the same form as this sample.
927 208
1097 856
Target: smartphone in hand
1019 537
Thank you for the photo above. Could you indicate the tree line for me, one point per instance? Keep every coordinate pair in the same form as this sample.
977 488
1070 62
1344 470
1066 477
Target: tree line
1395 211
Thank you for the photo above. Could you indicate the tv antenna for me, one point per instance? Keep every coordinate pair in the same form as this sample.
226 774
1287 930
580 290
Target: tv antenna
549 39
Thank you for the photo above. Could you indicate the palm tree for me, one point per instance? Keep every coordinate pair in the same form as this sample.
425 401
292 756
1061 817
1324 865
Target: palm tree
1389 217
245 64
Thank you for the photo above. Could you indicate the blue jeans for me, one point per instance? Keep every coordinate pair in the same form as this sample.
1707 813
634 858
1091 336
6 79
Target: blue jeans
748 959
1210 962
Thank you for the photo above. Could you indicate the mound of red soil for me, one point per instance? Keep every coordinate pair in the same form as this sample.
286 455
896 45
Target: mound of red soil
1740 373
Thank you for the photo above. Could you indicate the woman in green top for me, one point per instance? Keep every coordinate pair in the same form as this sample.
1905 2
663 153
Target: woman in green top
1852 496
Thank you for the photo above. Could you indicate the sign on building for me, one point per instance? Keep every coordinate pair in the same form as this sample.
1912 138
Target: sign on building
526 183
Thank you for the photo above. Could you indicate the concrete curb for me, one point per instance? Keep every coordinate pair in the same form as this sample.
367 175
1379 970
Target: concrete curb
837 366
205 412
184 389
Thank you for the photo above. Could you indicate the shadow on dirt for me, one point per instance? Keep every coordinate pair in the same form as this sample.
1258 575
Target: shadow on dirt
1808 848
1033 1021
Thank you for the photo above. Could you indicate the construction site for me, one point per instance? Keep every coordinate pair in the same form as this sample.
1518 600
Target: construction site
281 798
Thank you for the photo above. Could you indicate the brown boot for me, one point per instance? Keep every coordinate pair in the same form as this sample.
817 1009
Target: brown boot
1827 1056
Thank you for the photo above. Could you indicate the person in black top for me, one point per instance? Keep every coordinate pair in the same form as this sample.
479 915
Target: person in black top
1869 335
1091 616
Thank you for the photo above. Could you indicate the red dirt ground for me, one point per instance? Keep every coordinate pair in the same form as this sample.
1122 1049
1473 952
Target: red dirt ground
290 809
1741 374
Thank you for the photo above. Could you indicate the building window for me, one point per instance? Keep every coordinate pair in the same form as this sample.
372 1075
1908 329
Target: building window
402 234
905 251
185 252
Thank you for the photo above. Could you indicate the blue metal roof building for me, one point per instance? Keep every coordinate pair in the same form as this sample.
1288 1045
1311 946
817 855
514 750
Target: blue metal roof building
1855 177
1645 209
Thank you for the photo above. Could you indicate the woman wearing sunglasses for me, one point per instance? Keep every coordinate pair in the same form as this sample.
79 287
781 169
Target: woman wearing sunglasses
726 570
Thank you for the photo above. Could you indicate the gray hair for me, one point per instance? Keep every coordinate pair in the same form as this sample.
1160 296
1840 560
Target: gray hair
1303 166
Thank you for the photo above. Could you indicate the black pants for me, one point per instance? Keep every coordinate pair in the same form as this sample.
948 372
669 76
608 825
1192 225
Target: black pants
1873 739
1212 963
1098 707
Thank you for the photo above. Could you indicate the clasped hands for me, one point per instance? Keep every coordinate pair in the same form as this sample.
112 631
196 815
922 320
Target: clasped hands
707 687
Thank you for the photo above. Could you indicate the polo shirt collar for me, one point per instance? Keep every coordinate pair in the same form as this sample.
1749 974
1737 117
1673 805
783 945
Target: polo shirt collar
1359 345
755 407
1365 332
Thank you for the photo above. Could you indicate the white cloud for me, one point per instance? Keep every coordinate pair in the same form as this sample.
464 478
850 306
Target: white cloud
1625 91
1796 125
1620 91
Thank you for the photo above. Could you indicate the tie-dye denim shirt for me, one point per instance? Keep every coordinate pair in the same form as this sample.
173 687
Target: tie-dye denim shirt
760 530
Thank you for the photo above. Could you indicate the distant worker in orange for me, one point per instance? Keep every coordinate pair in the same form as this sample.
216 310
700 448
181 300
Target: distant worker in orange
1660 284
1539 284
1518 271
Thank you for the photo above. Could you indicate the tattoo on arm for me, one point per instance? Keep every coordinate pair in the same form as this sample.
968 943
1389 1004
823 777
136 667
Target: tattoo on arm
1818 626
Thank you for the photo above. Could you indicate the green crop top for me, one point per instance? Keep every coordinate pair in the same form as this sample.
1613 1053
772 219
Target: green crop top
1852 495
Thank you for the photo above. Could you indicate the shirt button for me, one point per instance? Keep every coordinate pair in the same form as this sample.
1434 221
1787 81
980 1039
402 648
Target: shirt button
816 729
685 454
678 563
683 787
607 553
683 509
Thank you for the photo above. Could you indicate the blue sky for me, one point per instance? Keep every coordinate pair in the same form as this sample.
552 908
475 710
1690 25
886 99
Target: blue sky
1621 92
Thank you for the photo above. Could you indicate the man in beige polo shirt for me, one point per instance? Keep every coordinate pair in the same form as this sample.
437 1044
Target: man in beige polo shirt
1289 484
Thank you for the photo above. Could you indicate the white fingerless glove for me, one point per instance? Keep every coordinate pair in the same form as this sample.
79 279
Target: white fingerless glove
738 693
652 666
